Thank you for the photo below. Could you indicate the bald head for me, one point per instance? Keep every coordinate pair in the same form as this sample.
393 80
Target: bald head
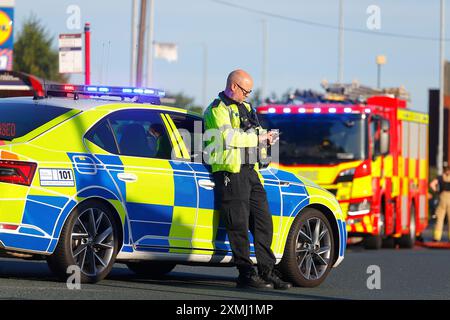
239 85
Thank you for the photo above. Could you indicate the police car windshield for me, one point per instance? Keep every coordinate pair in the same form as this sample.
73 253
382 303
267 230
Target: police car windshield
319 138
18 119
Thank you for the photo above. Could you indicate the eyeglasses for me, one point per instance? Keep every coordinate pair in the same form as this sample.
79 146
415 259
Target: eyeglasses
245 92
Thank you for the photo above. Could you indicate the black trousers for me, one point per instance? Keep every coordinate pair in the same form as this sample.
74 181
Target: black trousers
243 206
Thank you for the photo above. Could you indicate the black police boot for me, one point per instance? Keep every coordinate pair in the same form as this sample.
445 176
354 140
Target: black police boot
252 281
274 279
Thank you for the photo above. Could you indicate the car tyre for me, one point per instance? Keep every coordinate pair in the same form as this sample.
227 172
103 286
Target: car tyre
309 251
89 240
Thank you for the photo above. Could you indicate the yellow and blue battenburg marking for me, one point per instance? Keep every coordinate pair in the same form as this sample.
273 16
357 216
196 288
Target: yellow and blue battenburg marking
183 220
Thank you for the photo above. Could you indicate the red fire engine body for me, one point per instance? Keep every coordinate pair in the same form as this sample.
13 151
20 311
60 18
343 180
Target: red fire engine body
372 156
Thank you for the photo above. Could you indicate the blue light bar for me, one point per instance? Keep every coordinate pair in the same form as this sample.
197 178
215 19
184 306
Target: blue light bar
106 91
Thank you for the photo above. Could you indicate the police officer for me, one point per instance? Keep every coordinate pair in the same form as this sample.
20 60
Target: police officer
442 185
243 200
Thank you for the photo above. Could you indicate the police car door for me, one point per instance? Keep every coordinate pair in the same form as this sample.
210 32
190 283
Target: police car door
209 236
155 195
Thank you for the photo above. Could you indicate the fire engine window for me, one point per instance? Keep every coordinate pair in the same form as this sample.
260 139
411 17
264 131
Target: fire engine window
321 139
375 132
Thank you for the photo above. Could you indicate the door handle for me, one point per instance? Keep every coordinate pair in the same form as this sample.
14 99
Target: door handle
206 184
127 177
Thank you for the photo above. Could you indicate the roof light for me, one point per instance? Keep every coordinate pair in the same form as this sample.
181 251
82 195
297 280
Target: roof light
332 110
317 110
347 110
272 110
145 94
104 89
301 110
287 110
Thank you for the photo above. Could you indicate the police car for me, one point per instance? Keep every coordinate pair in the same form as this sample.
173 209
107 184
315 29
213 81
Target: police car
82 182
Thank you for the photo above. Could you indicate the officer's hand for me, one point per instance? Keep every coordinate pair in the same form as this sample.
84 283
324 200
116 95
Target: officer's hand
270 137
266 138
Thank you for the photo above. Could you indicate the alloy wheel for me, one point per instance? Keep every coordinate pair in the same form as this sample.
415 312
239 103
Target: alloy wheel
92 241
313 248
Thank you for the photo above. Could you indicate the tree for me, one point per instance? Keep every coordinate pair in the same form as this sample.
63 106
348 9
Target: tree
33 52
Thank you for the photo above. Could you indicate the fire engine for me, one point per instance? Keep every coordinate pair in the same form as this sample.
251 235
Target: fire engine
367 148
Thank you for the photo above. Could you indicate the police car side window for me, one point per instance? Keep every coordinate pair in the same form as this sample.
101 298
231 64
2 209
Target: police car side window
140 133
101 135
191 130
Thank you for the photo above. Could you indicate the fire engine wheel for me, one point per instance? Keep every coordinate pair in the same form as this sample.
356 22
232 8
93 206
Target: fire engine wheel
388 242
375 242
308 255
407 240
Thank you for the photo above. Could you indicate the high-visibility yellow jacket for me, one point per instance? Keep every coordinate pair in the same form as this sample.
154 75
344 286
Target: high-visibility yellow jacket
225 155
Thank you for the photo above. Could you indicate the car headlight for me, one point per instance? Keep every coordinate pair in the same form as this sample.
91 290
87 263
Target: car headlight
359 208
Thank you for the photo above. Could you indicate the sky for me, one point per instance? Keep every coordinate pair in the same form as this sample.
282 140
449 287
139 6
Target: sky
298 55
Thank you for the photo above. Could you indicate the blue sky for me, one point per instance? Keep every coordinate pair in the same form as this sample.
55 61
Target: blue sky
299 56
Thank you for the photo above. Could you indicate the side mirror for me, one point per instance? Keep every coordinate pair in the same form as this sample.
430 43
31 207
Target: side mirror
384 137
385 125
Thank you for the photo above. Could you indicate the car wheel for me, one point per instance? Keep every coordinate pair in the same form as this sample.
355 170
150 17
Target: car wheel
309 251
151 269
89 240
407 240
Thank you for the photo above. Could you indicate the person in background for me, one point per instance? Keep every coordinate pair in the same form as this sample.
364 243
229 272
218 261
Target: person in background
163 147
442 185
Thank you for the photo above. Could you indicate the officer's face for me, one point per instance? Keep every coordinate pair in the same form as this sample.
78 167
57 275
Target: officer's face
242 90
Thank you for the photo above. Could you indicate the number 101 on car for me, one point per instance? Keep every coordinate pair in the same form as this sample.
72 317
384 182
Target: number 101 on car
56 177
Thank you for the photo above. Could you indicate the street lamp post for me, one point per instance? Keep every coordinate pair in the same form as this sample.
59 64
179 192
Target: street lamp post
381 60
341 43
